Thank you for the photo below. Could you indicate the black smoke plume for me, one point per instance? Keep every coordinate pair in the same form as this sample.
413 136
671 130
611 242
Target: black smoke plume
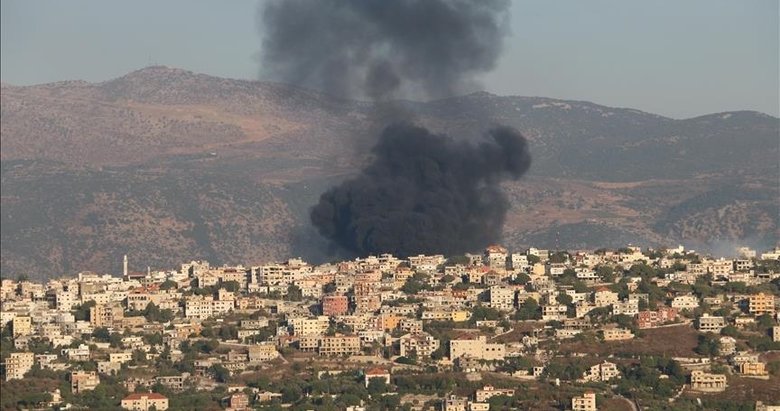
424 193
382 49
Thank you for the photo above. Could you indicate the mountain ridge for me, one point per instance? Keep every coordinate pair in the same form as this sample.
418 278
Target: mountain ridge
86 161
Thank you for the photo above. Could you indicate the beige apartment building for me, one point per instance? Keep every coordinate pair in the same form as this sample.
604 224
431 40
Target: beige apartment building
757 369
702 381
81 381
502 298
709 323
262 353
421 345
487 392
476 347
21 326
617 334
309 326
340 345
17 364
145 401
104 315
602 372
587 402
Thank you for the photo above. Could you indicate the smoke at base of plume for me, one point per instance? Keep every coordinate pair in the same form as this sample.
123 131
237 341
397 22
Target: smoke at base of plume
424 193
382 49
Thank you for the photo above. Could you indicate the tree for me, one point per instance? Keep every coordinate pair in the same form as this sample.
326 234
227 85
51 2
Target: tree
564 298
294 293
232 286
730 331
81 311
533 259
153 339
169 285
101 334
416 283
291 393
154 314
377 386
228 332
708 344
559 257
520 279
530 310
606 273
220 373
481 313
457 260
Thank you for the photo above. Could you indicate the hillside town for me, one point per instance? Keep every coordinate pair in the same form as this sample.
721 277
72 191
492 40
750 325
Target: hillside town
609 329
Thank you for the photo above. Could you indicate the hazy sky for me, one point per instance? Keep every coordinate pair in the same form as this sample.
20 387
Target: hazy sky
671 57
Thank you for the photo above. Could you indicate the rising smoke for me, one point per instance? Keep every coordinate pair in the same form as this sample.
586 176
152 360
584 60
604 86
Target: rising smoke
423 192
382 49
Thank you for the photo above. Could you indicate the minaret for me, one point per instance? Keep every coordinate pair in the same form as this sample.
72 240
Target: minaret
124 270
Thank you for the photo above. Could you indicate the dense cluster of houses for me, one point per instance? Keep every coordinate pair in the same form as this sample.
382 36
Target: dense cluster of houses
380 306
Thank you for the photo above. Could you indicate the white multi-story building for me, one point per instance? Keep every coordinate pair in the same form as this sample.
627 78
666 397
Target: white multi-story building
502 297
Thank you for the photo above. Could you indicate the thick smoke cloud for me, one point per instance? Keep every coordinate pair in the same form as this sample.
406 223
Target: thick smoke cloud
382 49
424 193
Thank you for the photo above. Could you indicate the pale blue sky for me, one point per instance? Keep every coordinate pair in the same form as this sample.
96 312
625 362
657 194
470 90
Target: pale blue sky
671 57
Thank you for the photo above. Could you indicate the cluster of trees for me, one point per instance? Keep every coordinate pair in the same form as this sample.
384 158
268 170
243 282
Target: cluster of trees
153 313
416 283
645 377
529 310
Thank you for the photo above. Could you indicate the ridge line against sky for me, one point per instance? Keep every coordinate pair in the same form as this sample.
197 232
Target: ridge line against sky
677 59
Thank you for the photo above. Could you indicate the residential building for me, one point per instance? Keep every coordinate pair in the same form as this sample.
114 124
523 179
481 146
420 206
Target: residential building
761 303
604 297
17 364
554 312
650 319
628 307
104 315
309 326
455 403
708 323
586 402
339 345
601 372
21 326
617 334
757 369
262 353
174 382
685 302
488 391
335 305
703 381
476 347
420 345
496 257
145 402
376 372
502 298
81 381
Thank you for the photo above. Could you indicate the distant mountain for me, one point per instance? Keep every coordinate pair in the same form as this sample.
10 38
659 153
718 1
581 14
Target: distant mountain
164 164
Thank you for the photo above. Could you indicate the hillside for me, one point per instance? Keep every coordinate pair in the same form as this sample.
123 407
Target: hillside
167 165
